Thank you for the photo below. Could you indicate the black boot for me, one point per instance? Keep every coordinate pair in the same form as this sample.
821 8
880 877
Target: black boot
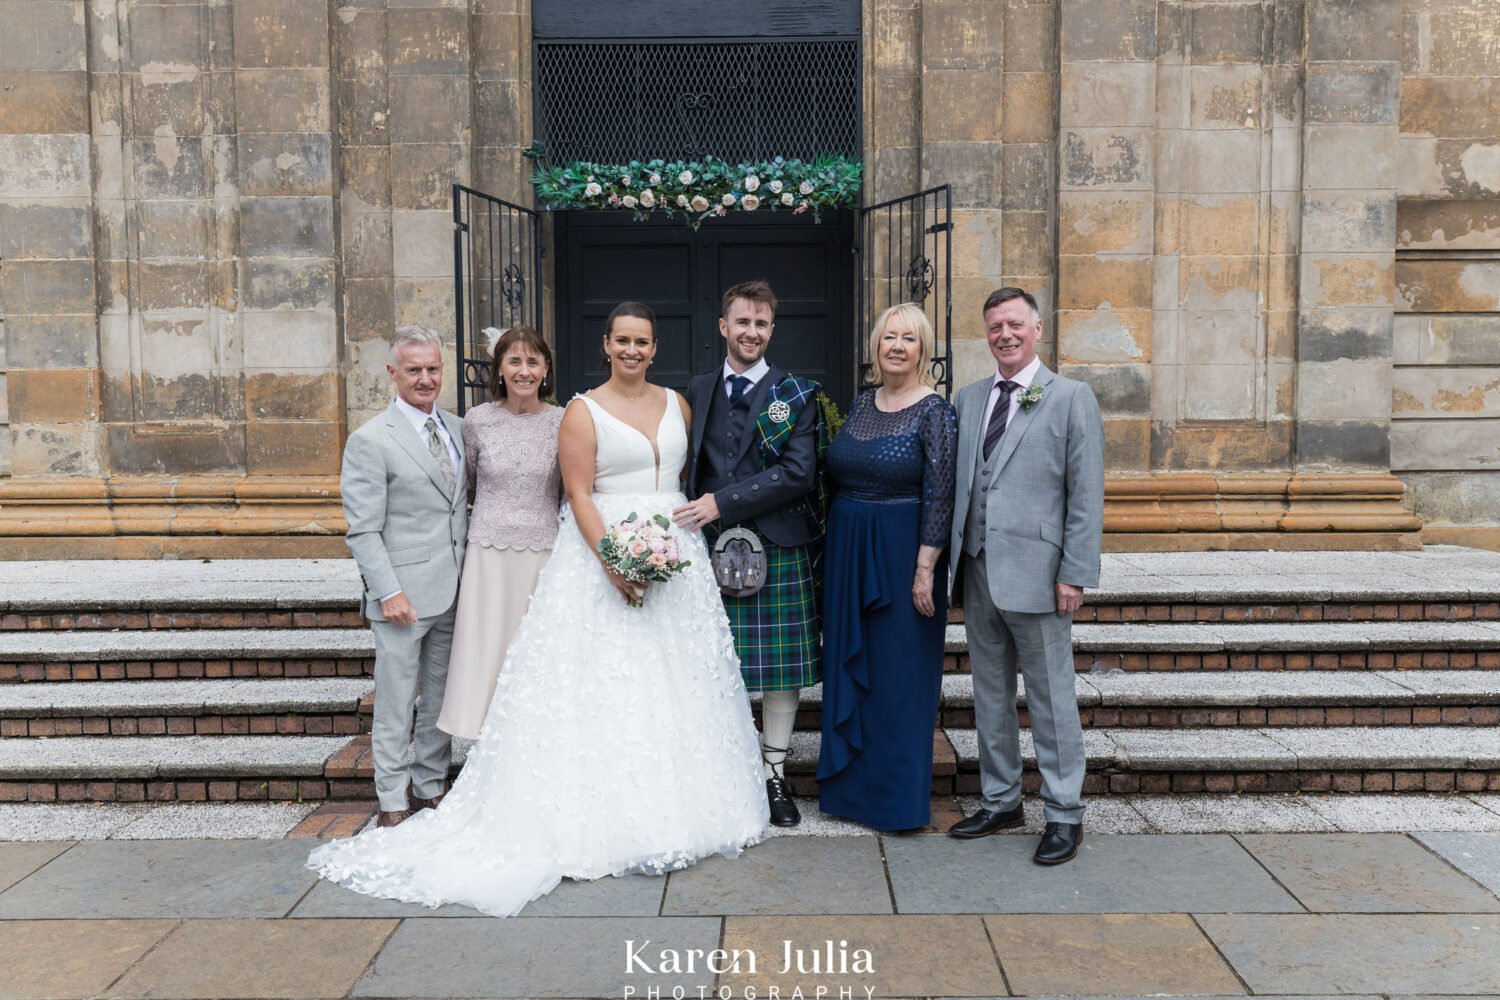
783 809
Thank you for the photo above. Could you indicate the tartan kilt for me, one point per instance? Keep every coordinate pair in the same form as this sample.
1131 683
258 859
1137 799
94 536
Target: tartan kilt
776 631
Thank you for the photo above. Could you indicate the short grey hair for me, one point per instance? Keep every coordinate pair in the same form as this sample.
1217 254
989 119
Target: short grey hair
407 335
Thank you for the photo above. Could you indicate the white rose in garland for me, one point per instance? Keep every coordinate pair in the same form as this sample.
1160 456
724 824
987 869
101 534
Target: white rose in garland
648 198
682 200
593 190
727 201
752 182
655 179
787 198
806 187
686 177
749 203
699 203
628 201
775 187
625 181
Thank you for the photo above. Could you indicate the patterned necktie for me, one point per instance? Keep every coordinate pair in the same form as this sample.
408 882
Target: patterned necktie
998 417
440 455
737 386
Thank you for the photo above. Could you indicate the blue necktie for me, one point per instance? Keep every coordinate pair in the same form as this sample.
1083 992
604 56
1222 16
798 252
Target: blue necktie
737 386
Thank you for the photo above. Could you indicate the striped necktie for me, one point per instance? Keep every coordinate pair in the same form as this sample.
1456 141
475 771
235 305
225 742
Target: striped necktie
998 416
440 455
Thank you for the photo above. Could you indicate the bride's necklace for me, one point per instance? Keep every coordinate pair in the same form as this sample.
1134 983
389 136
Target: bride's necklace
637 397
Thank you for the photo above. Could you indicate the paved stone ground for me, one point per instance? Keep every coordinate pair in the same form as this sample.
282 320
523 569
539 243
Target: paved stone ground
1136 915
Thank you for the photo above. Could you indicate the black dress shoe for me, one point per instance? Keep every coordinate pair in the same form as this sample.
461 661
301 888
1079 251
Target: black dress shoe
783 809
1059 843
987 821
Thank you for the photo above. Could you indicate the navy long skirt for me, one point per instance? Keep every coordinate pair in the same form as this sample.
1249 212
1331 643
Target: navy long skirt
882 667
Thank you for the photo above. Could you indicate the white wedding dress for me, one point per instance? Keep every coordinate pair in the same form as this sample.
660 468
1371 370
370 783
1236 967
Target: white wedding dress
619 739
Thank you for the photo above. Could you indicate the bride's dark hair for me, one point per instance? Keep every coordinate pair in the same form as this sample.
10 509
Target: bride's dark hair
635 310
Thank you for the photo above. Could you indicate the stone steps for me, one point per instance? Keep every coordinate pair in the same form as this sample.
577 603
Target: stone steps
302 706
185 654
1285 646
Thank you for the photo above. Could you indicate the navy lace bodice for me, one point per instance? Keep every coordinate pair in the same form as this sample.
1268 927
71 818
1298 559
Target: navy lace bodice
907 455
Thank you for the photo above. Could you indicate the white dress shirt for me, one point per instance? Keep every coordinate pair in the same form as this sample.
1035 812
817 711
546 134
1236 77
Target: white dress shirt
418 421
1022 378
754 373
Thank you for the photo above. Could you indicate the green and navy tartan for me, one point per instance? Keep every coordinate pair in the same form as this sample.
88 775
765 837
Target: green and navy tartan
776 630
772 436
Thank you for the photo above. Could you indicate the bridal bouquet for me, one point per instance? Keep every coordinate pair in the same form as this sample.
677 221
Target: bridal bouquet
642 550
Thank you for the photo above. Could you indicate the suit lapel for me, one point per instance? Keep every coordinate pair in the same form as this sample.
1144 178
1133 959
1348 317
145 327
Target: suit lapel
1022 421
700 401
757 402
407 437
968 441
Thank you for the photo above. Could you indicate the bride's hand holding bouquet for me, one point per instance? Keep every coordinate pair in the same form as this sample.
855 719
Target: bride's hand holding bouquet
638 552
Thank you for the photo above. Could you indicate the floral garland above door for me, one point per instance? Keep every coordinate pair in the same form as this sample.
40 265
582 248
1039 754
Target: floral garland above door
700 189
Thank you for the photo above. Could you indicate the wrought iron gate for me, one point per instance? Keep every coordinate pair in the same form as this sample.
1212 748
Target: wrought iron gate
497 266
905 249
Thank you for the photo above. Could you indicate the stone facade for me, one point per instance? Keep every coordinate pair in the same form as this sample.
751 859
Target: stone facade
1266 231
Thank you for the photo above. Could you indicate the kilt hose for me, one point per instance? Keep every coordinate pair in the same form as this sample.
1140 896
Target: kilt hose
777 633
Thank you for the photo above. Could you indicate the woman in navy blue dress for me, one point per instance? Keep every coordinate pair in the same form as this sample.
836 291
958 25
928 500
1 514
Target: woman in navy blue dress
885 601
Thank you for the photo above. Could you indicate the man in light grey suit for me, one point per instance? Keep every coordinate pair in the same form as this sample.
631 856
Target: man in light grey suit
404 499
1028 516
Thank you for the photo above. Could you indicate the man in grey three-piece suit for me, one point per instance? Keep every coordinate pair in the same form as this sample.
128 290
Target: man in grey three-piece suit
405 502
1028 517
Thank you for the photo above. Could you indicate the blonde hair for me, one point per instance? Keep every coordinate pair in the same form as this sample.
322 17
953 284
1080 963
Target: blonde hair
917 321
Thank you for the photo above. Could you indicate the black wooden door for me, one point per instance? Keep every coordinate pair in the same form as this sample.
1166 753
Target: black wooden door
604 258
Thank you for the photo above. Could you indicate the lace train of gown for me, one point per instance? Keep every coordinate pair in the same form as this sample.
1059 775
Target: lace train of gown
619 739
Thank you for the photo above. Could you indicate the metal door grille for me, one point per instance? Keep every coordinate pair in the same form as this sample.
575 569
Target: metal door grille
906 255
612 102
497 267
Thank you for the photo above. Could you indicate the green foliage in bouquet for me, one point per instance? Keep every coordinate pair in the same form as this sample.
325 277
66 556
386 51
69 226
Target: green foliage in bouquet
699 189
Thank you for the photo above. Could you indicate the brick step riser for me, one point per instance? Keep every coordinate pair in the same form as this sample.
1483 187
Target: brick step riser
140 621
282 724
158 670
1198 717
1206 612
1423 659
1302 611
963 783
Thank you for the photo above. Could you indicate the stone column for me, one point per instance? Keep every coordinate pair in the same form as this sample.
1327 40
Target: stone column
49 377
963 91
1347 283
1108 146
428 56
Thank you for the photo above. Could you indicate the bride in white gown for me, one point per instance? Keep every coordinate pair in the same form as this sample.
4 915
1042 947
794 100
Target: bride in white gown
619 738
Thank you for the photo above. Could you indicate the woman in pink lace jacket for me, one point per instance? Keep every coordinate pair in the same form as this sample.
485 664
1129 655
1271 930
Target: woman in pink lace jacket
510 448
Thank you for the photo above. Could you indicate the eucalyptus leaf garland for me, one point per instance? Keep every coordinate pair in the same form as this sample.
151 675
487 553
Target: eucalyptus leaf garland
700 189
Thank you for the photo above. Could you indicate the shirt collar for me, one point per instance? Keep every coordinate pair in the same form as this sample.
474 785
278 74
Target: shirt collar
416 417
1022 378
754 373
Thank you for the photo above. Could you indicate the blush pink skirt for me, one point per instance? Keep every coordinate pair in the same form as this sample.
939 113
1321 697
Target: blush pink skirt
493 596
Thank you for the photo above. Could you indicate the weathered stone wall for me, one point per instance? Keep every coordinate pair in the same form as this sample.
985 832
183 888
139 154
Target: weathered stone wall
1445 419
1265 231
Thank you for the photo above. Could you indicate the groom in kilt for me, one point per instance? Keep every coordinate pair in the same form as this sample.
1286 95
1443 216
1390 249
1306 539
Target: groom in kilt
756 443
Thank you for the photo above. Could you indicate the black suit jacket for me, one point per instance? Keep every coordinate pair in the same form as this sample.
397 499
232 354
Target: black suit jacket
773 500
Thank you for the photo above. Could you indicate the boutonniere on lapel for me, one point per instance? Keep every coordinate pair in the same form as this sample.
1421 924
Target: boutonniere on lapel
1031 397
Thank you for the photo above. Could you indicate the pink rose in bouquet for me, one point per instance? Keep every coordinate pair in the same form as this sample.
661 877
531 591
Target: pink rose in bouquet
642 550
